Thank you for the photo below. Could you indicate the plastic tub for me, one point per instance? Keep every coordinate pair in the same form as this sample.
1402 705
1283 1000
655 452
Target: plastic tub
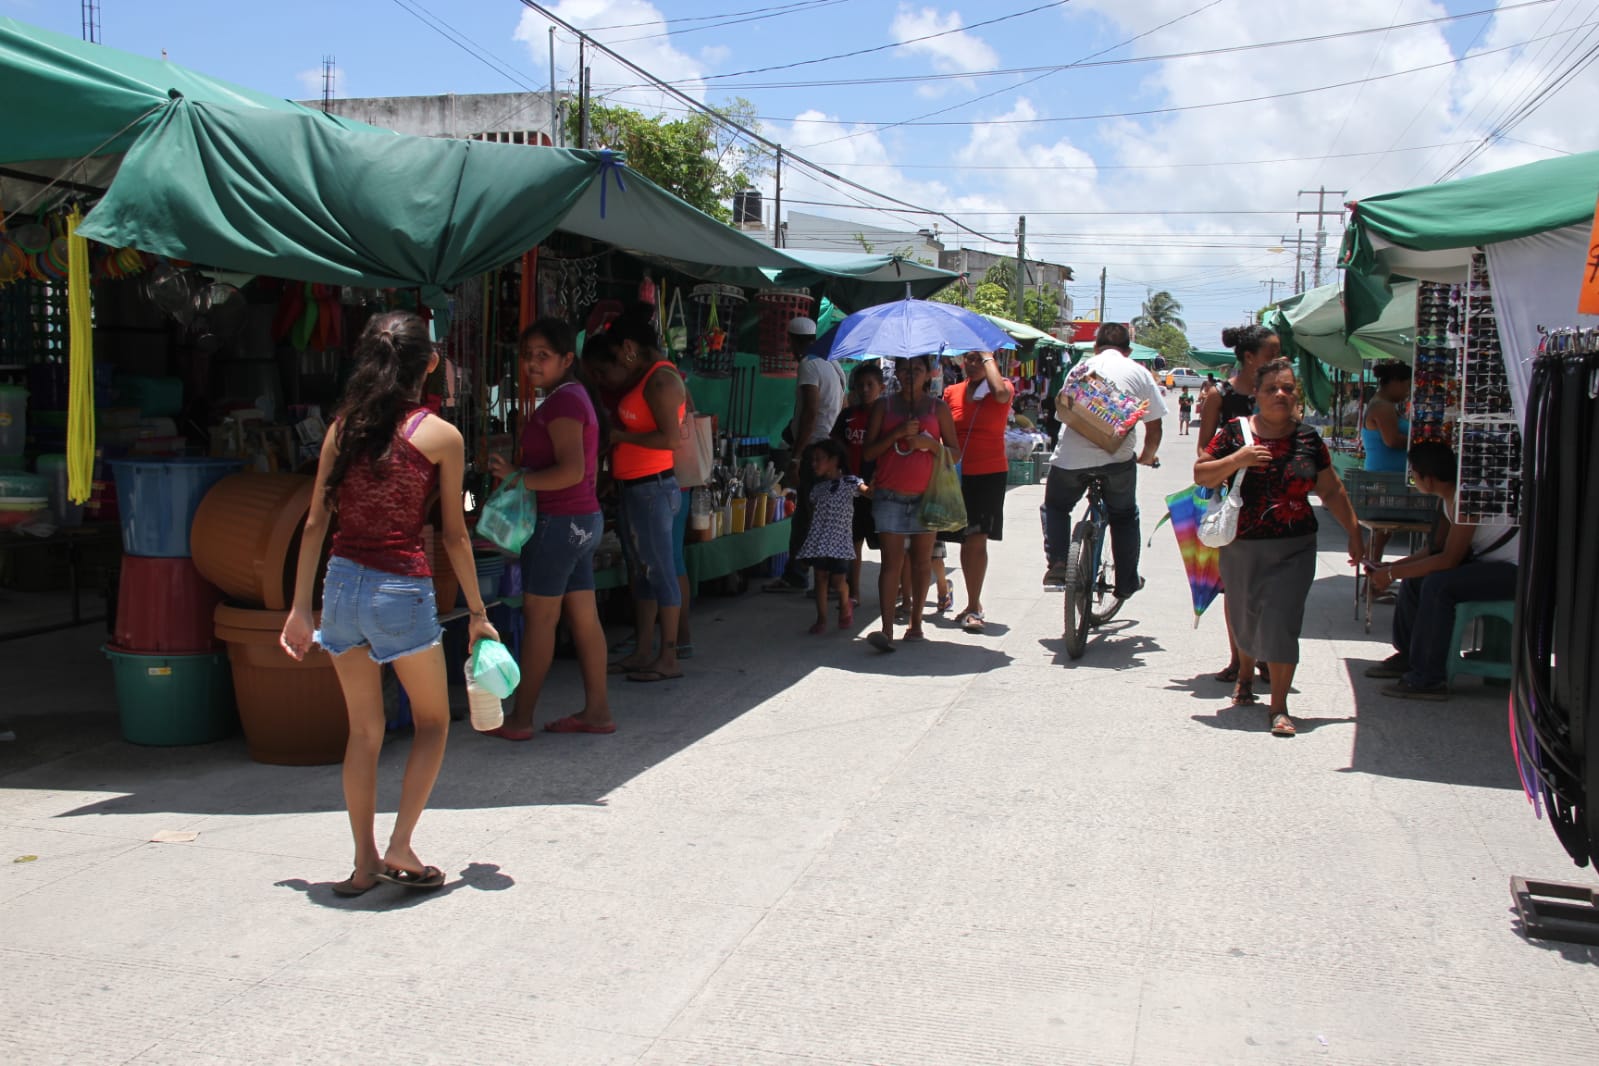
167 700
246 536
164 605
22 510
292 712
13 419
157 498
53 468
19 483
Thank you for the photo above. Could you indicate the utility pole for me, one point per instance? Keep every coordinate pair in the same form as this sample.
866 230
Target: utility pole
1321 212
1299 259
556 138
1021 269
582 92
777 208
1103 272
1271 289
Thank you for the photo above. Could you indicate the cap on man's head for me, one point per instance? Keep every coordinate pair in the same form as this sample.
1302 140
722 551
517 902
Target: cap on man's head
802 327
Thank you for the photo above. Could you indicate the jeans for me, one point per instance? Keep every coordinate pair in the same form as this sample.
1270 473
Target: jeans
559 557
391 615
648 510
800 526
1062 493
1424 619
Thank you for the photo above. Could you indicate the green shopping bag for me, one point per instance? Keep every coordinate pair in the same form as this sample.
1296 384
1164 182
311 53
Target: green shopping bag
943 505
493 668
510 516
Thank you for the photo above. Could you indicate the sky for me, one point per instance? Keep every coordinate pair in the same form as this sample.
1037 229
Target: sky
1123 165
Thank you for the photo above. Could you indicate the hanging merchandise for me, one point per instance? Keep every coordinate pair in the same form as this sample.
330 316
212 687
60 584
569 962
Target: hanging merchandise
568 287
675 327
715 307
1435 396
1487 438
1556 643
80 360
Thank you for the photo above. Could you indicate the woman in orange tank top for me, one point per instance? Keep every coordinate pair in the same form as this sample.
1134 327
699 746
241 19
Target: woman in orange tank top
625 358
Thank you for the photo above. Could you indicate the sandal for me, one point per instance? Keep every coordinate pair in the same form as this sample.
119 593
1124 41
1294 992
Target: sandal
945 602
881 641
846 617
1243 694
913 635
973 622
1282 725
1229 675
818 628
427 877
348 889
573 723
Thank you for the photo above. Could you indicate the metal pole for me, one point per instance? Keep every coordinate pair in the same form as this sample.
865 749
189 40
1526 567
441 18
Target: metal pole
556 137
1102 272
1021 269
582 92
777 207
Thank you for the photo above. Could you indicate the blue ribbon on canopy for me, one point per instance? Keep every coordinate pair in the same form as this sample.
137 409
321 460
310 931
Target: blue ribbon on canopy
610 164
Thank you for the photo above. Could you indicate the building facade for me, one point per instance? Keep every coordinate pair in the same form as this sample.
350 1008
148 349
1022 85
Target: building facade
507 118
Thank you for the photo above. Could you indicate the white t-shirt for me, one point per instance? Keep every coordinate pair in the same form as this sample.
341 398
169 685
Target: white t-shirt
1484 537
828 378
1075 451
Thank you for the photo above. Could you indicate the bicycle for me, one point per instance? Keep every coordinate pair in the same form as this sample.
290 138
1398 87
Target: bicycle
1090 574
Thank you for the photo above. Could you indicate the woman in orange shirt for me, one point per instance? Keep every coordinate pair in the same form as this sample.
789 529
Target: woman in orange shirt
625 358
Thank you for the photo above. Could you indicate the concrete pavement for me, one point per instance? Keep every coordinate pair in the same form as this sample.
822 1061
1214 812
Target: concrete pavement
968 852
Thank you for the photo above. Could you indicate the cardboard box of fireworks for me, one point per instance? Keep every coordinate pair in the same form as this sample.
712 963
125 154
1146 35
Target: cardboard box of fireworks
1099 411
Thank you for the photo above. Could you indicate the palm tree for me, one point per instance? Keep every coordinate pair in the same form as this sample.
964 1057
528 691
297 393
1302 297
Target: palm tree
1161 309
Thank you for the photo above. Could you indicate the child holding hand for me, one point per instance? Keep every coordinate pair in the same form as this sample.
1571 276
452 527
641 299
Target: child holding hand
829 548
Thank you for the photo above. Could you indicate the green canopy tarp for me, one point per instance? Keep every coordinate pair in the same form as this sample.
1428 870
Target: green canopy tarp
1021 331
1317 322
1213 359
1428 233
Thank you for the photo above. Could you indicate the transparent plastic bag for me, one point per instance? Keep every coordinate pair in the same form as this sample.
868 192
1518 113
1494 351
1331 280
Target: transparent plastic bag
943 504
494 668
510 516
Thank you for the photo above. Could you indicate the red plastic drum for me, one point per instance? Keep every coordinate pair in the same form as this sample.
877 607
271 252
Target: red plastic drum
164 605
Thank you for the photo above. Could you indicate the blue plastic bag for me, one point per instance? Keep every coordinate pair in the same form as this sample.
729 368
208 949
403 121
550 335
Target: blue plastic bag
510 516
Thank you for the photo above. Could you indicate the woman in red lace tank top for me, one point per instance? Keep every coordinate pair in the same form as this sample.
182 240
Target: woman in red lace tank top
380 464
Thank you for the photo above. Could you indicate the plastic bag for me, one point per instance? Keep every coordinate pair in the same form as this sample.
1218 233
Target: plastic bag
508 519
1219 526
494 668
943 504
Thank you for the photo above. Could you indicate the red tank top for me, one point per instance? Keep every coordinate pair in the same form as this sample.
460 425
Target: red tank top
901 469
629 461
381 517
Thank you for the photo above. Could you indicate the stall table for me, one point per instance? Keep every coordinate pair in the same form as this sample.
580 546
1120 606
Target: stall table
729 554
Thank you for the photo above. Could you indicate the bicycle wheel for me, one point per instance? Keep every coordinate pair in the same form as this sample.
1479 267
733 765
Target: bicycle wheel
1106 604
1079 589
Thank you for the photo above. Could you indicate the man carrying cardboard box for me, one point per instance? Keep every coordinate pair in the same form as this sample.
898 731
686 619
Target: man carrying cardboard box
1086 450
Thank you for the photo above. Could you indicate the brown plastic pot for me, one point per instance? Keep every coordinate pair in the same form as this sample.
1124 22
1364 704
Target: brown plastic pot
246 536
446 585
292 712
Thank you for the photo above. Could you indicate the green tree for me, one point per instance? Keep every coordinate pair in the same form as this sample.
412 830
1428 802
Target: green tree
1003 274
1042 309
991 299
693 157
1161 309
1170 341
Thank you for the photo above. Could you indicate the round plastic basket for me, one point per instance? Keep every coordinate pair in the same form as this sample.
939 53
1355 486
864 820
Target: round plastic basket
778 307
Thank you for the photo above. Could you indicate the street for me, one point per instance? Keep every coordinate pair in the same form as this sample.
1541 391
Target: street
971 851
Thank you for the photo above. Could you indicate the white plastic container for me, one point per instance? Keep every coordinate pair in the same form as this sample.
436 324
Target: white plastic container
67 513
487 710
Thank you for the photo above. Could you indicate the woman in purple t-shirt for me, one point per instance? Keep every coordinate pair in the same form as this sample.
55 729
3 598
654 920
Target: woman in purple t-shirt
560 459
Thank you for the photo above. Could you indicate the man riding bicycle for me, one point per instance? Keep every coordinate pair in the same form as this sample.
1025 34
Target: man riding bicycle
1078 459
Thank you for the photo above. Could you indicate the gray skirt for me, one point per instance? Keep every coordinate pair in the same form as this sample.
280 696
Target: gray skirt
1267 583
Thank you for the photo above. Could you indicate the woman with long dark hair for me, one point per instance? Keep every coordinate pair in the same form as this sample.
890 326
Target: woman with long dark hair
1253 347
625 358
561 458
381 462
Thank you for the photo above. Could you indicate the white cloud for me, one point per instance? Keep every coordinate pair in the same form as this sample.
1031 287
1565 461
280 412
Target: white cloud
311 82
953 53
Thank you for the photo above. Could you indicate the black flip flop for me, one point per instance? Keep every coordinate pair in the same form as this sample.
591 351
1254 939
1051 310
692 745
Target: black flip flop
429 877
346 889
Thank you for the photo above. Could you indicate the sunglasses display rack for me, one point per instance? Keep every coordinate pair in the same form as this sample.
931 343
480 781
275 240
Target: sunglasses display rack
1435 393
1487 436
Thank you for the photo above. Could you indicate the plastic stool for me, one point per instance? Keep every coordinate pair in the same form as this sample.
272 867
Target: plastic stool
1465 615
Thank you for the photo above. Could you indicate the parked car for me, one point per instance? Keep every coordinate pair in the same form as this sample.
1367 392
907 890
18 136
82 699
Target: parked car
1184 378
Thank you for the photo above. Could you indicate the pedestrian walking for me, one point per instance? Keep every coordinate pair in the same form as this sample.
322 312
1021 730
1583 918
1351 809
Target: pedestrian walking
625 358
560 466
1474 563
1269 566
818 398
1234 398
902 438
980 408
381 463
866 391
829 548
1185 412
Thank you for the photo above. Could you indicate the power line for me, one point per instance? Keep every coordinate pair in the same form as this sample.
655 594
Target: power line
672 20
464 43
1162 166
793 10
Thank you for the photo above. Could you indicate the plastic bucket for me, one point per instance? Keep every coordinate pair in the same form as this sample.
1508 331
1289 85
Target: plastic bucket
292 712
164 605
157 498
167 700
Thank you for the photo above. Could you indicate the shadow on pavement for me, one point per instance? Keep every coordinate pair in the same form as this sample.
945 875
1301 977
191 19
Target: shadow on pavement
1256 719
1109 648
483 876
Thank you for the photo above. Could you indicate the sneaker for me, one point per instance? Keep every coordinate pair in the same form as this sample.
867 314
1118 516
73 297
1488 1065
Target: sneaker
1404 690
1129 595
1391 668
1055 577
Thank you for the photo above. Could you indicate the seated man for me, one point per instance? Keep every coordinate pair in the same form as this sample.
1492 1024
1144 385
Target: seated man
1475 563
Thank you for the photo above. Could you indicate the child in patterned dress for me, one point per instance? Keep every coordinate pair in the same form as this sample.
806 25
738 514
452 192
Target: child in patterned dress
829 548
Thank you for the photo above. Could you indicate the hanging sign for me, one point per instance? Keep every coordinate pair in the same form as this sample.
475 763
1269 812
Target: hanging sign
1588 300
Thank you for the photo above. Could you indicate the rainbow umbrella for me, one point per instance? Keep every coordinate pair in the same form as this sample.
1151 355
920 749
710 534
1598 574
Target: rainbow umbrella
1184 510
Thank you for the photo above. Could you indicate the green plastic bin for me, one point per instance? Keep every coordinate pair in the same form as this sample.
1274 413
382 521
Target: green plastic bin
168 700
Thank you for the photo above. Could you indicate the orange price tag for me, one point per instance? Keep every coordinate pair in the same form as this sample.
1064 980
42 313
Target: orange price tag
1588 300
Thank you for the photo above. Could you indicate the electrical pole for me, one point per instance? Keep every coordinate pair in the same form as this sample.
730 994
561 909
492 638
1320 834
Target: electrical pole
1021 269
582 92
1321 212
1103 271
1271 289
556 138
777 209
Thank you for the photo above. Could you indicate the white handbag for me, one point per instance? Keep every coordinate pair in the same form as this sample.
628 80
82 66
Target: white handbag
1220 524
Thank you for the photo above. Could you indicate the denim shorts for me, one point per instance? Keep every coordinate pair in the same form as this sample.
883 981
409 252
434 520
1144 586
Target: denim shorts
897 513
559 557
649 510
391 615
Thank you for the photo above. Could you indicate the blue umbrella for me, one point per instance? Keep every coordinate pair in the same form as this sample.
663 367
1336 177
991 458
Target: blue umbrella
906 329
